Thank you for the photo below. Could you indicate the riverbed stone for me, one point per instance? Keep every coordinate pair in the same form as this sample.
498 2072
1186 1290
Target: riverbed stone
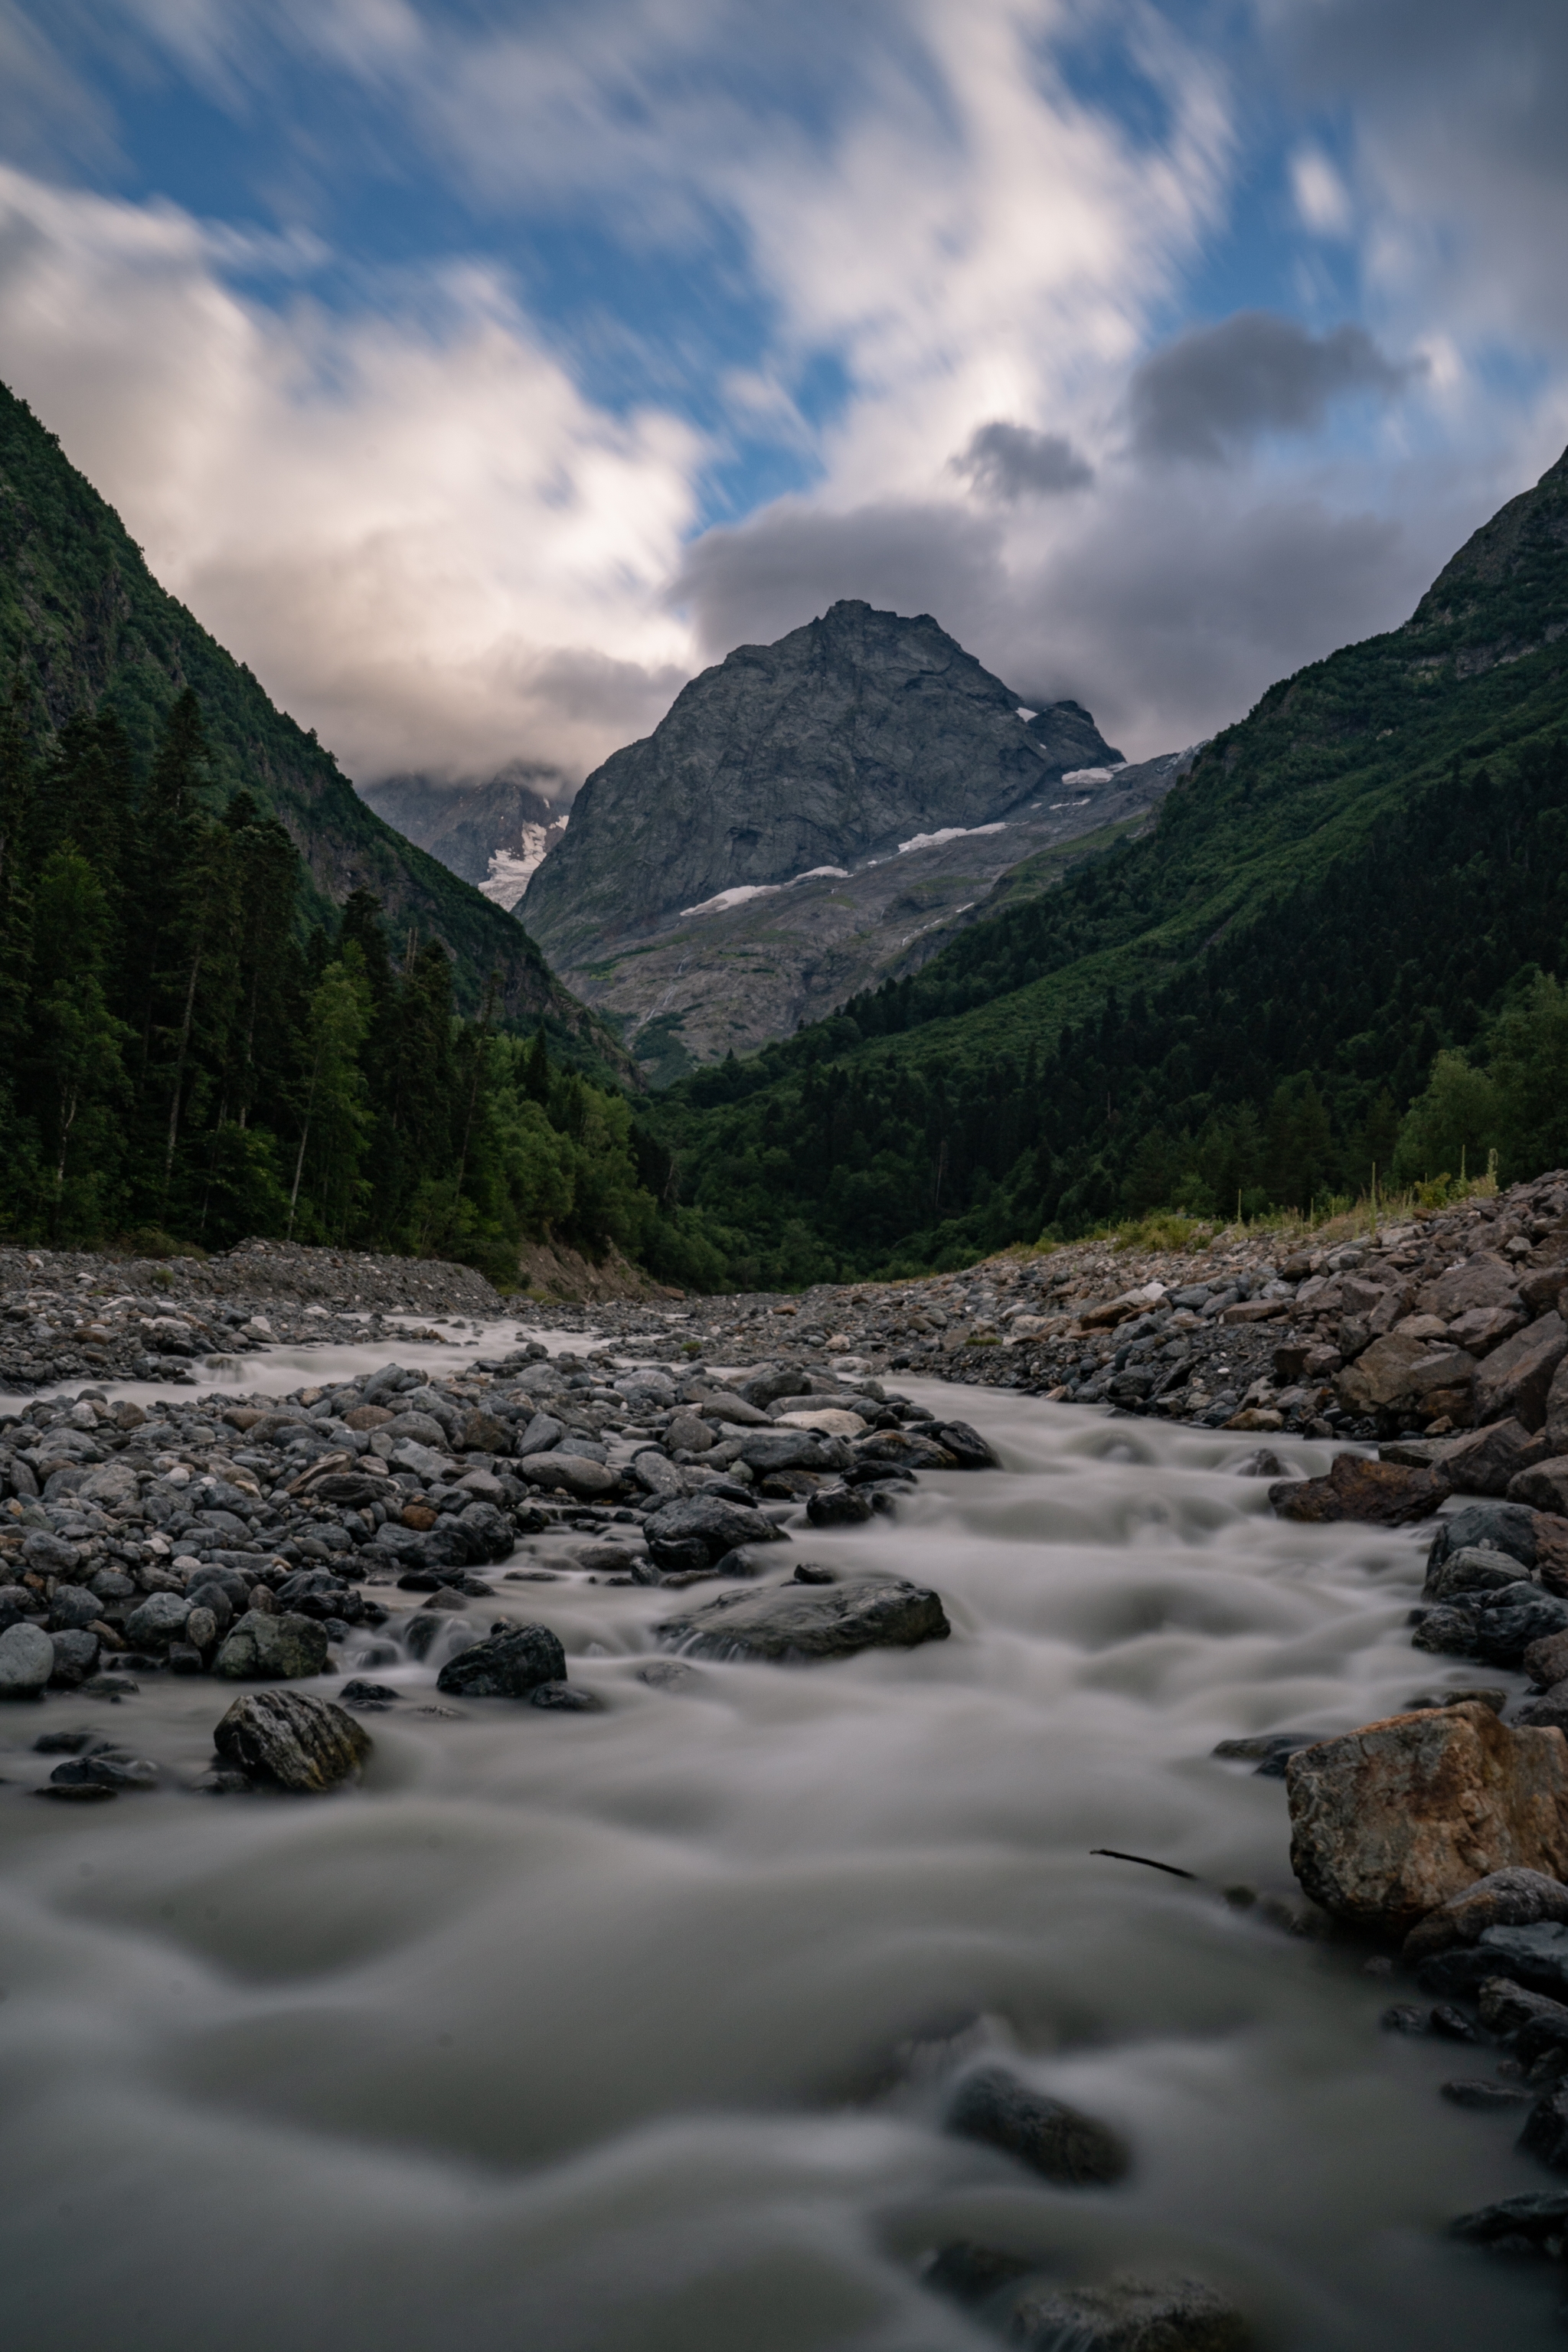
1515 1380
159 1620
1471 1570
1064 2146
789 1622
709 1520
1508 1527
1379 1492
299 1742
573 1474
1391 1821
1482 1461
509 1664
1542 1485
279 1647
1534 2224
1396 1373
1130 2314
1507 1898
26 1661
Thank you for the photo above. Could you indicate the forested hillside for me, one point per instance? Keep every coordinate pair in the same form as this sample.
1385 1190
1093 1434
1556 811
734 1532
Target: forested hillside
85 627
1367 872
177 1052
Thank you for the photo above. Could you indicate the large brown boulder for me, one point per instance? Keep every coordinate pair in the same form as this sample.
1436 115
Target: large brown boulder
1516 1379
1383 1492
1484 1280
1484 1460
1396 1374
1543 1485
1399 1817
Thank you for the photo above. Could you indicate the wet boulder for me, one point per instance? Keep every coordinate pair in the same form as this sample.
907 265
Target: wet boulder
1130 2314
1508 1527
510 1665
1072 2149
710 1521
904 1450
272 1647
1542 1485
839 1506
1382 1493
791 1623
966 1445
1535 2224
76 1656
1472 1570
1390 1821
1506 1898
1497 1625
293 1740
73 1605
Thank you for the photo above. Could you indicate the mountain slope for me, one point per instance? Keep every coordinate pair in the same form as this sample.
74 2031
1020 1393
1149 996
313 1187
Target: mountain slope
798 765
493 834
1347 880
84 622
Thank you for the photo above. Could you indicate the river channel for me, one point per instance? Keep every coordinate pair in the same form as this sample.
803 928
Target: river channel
633 2032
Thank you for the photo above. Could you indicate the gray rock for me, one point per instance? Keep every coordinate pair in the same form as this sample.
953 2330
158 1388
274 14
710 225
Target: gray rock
656 1474
573 1473
73 1605
301 1743
1545 2133
970 1450
49 1554
1535 1957
1507 1898
1498 1527
26 1661
510 1665
1129 2314
1535 2224
1469 1569
76 1655
826 748
786 1622
159 1619
565 1698
111 1769
272 1648
541 1433
706 1520
839 1505
1074 2150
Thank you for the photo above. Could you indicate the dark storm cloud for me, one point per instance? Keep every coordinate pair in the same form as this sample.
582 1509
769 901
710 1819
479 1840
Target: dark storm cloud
1168 617
748 586
1012 461
1217 388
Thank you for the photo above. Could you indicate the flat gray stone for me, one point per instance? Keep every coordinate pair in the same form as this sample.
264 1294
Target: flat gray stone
786 1622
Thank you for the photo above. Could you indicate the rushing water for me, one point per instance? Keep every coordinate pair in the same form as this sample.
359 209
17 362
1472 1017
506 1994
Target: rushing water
570 2032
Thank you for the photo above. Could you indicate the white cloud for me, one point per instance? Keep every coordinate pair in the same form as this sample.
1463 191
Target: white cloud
425 541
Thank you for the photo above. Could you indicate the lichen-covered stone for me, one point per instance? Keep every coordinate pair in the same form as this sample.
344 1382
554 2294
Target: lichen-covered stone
1390 1821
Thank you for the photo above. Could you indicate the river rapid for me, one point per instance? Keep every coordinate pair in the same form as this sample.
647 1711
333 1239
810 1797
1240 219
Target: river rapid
635 2030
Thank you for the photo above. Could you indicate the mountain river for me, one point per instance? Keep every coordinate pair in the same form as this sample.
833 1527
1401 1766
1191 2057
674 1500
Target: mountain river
633 2032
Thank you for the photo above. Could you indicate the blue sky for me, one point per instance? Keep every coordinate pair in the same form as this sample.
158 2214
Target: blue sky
479 372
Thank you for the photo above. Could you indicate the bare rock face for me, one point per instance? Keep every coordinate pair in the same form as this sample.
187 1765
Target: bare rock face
296 1742
1380 1492
1392 1821
860 730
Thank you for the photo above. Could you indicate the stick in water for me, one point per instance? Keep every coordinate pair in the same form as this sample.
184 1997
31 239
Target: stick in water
1111 1854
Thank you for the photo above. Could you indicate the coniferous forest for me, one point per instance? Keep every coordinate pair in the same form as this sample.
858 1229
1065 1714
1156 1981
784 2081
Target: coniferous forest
185 1057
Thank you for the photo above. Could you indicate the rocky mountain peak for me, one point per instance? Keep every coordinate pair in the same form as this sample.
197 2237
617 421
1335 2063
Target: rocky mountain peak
847 736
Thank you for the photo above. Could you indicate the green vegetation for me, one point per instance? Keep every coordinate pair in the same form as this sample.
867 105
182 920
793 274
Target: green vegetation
87 630
1234 1013
181 1057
